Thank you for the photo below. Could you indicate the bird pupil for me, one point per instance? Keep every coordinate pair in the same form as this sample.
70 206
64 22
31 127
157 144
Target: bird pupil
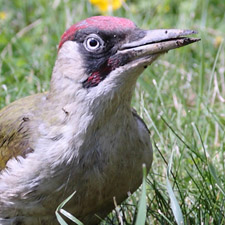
93 43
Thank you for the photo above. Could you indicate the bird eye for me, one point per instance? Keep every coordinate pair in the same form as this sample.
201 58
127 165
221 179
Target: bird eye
92 43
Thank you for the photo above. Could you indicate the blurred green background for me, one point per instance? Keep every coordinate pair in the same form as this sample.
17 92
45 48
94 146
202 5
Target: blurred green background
181 96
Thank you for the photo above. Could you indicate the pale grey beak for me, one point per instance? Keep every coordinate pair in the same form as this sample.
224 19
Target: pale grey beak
158 41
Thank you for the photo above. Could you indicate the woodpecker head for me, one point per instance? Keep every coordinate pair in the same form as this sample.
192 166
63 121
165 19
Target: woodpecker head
105 54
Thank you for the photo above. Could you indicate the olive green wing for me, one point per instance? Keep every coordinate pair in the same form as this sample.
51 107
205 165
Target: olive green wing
15 132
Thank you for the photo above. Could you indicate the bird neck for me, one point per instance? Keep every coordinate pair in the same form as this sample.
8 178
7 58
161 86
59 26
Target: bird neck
67 92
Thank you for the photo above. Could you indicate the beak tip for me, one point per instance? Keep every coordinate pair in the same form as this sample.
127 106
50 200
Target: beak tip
186 41
192 40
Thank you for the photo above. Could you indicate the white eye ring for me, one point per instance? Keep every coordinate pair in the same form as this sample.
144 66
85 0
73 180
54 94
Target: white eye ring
93 43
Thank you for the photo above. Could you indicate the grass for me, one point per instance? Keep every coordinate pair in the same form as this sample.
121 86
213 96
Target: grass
181 96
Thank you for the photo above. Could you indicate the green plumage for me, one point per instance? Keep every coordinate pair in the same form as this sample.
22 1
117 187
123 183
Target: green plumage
15 130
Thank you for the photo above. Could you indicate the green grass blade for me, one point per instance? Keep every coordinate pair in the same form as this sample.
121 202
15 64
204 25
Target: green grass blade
60 219
71 217
142 207
65 213
216 178
167 220
201 78
213 70
174 203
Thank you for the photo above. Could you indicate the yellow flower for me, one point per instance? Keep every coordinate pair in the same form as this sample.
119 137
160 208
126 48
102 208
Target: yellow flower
217 41
107 5
3 15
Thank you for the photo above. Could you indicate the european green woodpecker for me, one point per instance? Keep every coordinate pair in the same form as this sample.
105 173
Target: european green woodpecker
82 136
